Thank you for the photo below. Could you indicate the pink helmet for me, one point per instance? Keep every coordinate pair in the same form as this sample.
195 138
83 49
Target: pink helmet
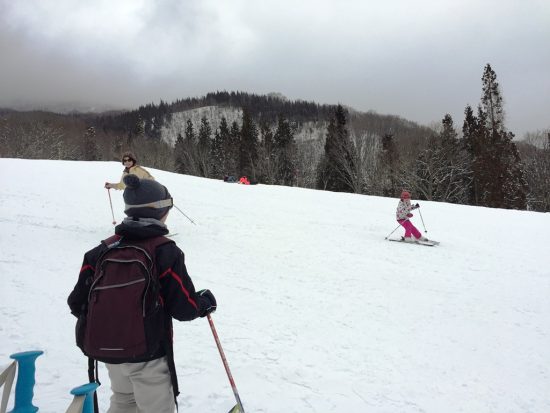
405 195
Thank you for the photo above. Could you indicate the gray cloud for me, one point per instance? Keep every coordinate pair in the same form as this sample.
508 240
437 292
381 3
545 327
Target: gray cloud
418 59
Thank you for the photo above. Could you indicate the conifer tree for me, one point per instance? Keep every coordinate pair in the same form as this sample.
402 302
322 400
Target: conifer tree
190 132
248 146
205 134
137 132
118 144
233 148
440 171
536 151
389 159
223 150
337 162
90 146
220 151
190 150
216 156
456 175
266 171
179 155
491 101
473 146
509 187
497 172
204 147
285 152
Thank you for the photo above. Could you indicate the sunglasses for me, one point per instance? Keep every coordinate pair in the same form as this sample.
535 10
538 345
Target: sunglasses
127 160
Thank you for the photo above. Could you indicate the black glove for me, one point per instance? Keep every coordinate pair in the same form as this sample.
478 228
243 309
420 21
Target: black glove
207 302
416 206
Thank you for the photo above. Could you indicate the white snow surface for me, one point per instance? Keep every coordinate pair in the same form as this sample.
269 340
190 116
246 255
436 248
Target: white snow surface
317 311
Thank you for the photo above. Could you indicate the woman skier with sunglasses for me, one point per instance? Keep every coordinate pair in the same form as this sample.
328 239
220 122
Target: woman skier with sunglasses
130 167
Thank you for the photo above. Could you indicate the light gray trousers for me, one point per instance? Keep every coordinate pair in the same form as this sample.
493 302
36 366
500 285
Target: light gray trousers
141 387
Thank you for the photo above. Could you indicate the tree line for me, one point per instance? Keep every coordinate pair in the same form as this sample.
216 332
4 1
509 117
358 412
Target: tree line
482 168
480 164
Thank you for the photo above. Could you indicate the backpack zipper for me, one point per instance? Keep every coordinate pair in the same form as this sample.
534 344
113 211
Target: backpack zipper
94 288
149 270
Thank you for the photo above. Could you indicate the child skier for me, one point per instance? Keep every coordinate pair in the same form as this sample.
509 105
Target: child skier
129 289
403 215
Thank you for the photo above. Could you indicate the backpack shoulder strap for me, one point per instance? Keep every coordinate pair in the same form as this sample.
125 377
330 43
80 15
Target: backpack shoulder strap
151 244
109 242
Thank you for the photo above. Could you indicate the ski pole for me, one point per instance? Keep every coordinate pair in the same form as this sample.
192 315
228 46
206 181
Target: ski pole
387 236
111 203
183 213
420 213
238 408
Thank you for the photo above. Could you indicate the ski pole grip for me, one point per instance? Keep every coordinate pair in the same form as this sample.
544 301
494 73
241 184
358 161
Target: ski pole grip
24 387
87 390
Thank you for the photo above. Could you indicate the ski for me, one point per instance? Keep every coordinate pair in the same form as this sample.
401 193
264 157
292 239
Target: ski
430 243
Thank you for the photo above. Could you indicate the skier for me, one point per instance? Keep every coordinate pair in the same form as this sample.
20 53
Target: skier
129 161
404 214
148 382
244 180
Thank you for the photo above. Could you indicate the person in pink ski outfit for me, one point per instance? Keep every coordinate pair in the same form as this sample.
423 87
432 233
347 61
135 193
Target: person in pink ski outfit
404 214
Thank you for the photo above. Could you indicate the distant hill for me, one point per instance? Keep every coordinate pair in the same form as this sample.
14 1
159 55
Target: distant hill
56 134
165 121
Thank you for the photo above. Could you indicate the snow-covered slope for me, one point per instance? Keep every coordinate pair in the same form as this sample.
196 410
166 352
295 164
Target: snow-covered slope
317 312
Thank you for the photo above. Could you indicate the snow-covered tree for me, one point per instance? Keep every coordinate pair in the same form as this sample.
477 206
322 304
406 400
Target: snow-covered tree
441 170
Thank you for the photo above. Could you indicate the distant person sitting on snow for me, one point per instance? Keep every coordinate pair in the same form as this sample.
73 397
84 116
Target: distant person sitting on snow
244 180
129 161
404 215
229 178
129 289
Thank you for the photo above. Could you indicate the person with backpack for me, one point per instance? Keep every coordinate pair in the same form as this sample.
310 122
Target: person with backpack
129 289
129 161
404 215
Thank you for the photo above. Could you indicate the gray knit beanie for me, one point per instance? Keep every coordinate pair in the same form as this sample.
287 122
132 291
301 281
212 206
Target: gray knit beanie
145 198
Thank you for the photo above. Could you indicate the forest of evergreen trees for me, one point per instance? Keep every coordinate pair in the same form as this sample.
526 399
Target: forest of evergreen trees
366 153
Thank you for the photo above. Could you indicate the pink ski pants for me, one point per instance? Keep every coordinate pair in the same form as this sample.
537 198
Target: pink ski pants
410 229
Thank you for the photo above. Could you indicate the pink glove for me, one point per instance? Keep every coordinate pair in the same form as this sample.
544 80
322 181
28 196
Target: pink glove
409 215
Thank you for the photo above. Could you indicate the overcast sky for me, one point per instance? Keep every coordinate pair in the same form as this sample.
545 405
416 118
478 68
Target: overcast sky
417 59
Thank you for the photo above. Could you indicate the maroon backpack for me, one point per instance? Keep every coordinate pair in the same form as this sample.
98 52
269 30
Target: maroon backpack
125 319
